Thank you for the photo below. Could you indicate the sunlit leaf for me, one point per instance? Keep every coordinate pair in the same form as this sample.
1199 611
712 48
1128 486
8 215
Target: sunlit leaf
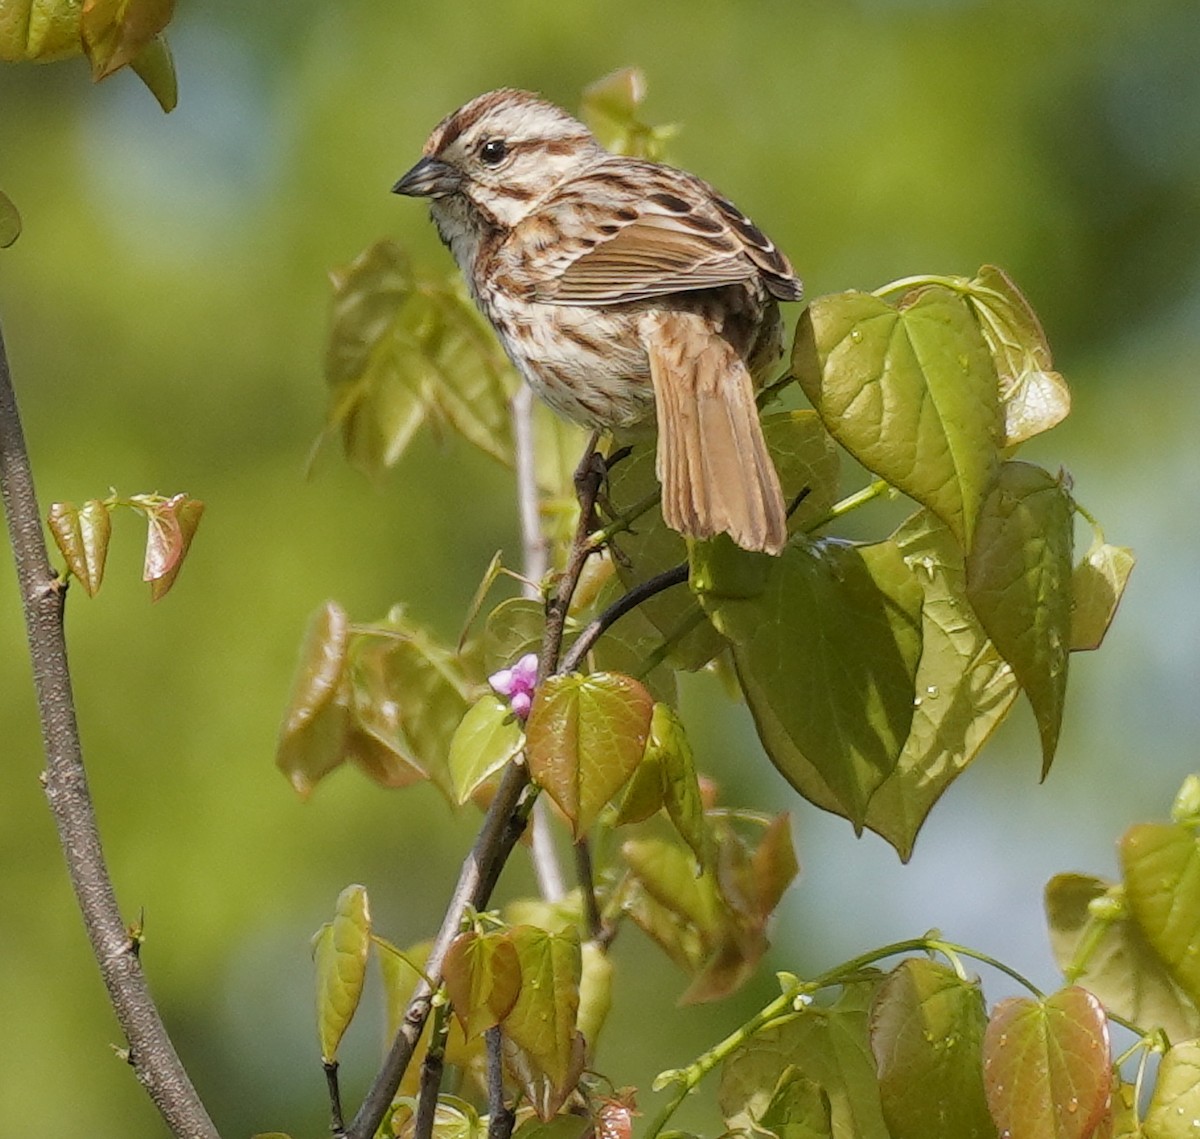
82 537
453 1118
340 953
1047 1066
1161 867
585 737
115 31
1034 396
1174 1111
927 1028
483 977
1019 584
964 690
827 656
402 350
1121 967
1097 585
830 1046
542 1021
314 725
484 741
42 30
10 221
185 513
909 391
560 1127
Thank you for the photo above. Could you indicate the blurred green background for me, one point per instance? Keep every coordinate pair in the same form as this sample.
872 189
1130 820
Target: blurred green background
165 311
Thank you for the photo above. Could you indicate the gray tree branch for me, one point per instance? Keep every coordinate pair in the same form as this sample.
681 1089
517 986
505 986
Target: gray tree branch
151 1053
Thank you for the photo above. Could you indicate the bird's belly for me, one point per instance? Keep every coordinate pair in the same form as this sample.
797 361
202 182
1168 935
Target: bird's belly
588 364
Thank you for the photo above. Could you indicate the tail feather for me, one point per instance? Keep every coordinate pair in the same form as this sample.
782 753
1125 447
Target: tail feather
716 473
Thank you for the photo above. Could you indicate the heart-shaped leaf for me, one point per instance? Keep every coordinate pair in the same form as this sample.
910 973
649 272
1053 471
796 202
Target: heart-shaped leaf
585 737
487 737
910 392
1046 1066
1174 1111
542 1021
82 537
483 977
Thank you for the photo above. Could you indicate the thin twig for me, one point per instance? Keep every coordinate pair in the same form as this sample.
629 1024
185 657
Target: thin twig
151 1052
501 1117
336 1122
582 645
587 887
502 827
533 569
432 1070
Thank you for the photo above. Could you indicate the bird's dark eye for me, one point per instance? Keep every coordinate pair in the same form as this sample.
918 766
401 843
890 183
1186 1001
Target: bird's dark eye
493 151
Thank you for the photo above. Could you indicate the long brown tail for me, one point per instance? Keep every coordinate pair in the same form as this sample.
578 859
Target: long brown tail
716 473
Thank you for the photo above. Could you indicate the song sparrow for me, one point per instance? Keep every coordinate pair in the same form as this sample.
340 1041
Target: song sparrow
623 290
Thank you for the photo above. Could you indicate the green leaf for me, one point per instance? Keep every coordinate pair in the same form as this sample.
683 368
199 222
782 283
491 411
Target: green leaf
1119 966
155 67
314 726
1047 1066
82 536
927 1029
964 689
10 221
512 629
1161 867
401 351
484 741
1097 586
625 646
1034 396
910 392
483 977
1174 1111
827 656
680 910
585 737
453 1118
1019 584
799 1109
340 952
830 1046
542 1021
668 750
44 31
610 107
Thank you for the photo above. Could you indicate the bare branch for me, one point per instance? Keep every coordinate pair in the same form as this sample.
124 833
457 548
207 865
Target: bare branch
500 1116
151 1053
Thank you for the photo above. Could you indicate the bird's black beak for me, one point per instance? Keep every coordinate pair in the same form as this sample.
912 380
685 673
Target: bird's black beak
430 178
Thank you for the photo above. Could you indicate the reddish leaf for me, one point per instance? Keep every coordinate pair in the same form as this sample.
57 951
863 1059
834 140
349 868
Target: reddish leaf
483 977
186 513
82 539
115 31
1046 1066
585 737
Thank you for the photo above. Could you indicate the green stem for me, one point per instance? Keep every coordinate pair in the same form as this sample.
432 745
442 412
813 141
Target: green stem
906 283
783 1006
663 649
851 502
624 521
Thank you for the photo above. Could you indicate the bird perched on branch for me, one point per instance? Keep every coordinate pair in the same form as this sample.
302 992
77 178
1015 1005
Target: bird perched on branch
624 291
